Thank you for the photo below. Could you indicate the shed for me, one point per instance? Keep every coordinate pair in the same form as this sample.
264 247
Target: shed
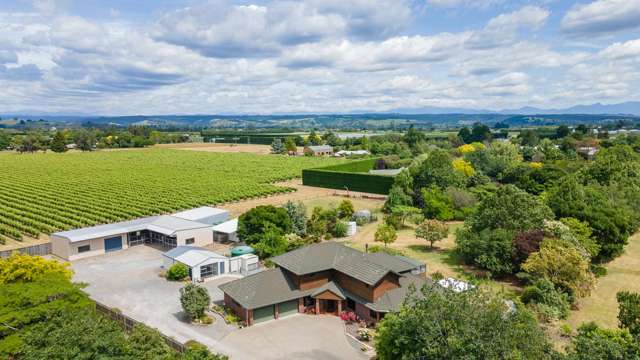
318 150
226 231
204 214
202 263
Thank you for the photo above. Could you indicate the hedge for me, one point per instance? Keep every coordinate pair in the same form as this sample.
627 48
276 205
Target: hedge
351 176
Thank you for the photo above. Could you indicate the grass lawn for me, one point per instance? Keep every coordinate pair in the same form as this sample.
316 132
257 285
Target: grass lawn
601 306
439 259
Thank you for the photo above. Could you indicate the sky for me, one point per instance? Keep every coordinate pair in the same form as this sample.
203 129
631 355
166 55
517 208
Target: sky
123 57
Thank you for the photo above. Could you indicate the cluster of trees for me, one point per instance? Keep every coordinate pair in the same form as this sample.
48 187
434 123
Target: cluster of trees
87 139
43 315
437 323
272 230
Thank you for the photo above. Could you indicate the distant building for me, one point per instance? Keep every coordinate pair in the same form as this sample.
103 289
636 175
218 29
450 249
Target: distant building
588 152
319 150
352 152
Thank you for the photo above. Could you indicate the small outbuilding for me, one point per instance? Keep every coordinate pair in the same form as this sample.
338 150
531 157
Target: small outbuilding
202 263
226 231
318 150
205 215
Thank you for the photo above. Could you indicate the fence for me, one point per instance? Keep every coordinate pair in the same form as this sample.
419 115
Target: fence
40 249
128 323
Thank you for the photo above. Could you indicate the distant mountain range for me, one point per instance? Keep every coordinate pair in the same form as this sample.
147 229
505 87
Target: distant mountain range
437 117
625 108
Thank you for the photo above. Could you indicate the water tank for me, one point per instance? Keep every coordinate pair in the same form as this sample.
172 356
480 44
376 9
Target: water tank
241 250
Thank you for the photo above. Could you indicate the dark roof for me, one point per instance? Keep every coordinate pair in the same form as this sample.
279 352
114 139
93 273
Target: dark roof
366 267
330 286
392 299
264 288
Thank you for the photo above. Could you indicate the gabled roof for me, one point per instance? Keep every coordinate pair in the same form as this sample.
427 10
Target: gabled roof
397 264
163 224
227 227
264 288
330 286
331 255
320 148
192 255
392 299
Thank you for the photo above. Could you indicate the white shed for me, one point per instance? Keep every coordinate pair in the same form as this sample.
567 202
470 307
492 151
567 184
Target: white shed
202 263
226 231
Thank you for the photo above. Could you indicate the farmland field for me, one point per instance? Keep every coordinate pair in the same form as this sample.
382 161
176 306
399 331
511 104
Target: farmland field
43 193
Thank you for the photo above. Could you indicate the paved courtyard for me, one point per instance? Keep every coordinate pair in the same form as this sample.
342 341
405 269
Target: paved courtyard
130 281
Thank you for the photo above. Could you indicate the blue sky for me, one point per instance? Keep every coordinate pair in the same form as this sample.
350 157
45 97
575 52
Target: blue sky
222 56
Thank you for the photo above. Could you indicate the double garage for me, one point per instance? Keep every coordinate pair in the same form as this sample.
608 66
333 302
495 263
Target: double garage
283 309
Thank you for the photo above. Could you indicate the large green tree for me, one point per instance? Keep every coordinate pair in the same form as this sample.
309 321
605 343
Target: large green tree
59 143
252 224
442 324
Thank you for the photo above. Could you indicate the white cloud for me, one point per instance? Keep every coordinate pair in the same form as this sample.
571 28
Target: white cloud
602 17
622 50
502 29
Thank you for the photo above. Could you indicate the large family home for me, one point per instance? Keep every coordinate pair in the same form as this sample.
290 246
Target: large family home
325 278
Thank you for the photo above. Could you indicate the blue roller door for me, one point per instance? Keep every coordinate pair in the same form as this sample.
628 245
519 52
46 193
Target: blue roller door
113 243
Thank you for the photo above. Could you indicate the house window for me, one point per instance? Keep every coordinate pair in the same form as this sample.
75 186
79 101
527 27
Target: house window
190 241
221 268
84 248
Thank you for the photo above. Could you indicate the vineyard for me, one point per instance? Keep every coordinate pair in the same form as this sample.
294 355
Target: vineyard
44 193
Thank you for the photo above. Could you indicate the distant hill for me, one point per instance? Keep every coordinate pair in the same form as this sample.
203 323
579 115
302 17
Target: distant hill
424 117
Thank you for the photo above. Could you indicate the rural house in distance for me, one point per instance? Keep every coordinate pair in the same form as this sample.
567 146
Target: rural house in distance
325 278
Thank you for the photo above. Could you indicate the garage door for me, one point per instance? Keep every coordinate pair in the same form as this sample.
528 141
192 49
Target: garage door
263 314
112 244
288 308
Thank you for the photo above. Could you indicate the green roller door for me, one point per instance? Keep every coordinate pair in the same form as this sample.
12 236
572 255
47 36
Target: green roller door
263 314
288 308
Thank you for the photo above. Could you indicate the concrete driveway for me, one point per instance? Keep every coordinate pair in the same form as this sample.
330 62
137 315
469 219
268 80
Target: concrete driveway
294 337
130 281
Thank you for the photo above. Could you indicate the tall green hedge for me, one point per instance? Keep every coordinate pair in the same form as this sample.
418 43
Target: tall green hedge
352 176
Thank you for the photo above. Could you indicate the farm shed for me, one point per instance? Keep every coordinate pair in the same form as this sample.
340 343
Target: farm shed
319 150
226 231
202 263
164 230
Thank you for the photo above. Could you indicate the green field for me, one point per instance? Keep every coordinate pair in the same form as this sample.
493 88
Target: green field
42 193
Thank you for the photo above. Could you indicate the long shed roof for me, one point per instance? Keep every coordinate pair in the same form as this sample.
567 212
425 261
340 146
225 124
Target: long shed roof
163 224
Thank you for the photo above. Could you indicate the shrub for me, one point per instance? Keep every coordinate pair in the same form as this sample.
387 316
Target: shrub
348 316
436 276
548 302
340 229
386 250
629 314
566 330
177 271
345 209
598 270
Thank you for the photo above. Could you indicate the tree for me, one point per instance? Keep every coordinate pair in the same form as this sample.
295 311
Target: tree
437 169
528 138
463 167
298 214
59 143
290 145
432 231
385 234
85 139
24 268
442 324
277 147
480 133
615 163
488 249
582 233
526 243
272 243
251 225
563 265
314 139
629 313
146 343
396 197
496 159
414 138
593 342
5 140
465 135
194 300
405 212
562 131
345 209
437 204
